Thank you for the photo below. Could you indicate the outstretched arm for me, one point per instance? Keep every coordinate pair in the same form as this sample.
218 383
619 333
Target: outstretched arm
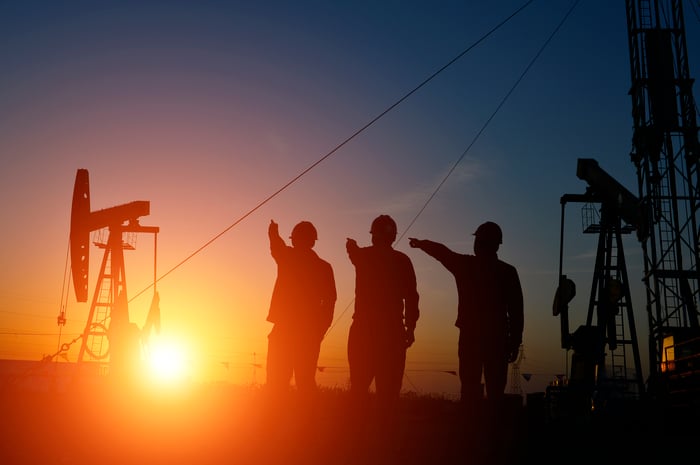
439 252
273 230
434 249
352 248
276 241
415 243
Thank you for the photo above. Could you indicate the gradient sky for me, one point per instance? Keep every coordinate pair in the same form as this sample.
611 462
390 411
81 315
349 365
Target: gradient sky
208 108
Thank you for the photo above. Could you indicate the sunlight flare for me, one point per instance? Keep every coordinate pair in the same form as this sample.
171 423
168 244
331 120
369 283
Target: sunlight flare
167 361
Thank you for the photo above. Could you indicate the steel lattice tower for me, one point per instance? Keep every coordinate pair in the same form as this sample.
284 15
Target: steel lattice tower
665 153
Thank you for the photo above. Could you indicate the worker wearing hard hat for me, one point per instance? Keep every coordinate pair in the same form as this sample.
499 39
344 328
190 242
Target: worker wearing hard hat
385 316
301 309
489 312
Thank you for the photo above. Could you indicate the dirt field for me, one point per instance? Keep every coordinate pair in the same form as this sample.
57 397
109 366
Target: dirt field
231 425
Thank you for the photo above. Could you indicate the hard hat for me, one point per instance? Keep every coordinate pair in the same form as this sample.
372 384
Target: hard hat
490 231
383 225
304 230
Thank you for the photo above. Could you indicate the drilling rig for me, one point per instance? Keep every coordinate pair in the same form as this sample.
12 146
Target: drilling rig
665 153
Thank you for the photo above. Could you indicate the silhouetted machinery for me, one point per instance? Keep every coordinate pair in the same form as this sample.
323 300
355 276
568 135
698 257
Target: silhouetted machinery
666 155
598 375
109 335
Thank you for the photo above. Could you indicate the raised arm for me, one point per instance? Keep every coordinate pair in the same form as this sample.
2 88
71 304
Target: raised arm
277 244
352 248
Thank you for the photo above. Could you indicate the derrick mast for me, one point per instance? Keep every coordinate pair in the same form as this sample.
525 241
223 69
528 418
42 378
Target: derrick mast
665 153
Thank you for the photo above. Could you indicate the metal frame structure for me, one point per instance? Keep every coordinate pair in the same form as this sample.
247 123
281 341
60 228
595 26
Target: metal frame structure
596 372
666 156
108 334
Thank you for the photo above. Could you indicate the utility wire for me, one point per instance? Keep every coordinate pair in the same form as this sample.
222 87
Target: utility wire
27 333
338 147
490 118
65 292
483 128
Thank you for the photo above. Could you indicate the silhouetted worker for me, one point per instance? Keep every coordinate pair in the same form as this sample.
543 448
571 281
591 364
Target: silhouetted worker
489 312
385 316
301 309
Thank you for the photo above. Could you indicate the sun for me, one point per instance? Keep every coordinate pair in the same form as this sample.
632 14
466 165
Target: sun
167 361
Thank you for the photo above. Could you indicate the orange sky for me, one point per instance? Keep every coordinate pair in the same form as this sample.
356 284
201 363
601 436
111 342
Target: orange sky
208 110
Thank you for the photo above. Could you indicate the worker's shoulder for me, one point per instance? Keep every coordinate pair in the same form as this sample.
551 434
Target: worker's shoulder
401 254
324 263
505 266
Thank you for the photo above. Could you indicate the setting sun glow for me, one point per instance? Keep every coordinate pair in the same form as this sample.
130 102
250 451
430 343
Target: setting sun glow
167 362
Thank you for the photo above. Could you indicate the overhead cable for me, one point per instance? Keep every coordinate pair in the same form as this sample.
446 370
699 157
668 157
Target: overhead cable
338 147
490 118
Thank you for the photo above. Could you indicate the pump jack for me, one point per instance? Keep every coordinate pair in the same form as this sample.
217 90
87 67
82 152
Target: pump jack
597 375
666 156
108 333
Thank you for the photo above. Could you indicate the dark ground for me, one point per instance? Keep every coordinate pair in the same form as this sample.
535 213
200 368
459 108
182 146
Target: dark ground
236 425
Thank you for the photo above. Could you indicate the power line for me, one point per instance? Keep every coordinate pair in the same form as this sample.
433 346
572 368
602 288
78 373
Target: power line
483 127
490 118
27 333
338 147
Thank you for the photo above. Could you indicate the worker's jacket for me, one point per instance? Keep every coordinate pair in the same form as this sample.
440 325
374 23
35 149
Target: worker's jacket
490 298
304 295
386 295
